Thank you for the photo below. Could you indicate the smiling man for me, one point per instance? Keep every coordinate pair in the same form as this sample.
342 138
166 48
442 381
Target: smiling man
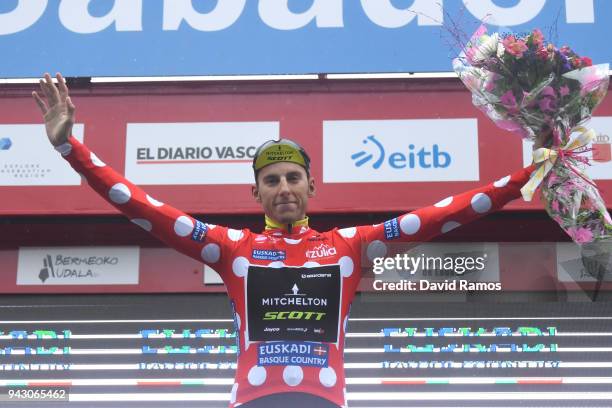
290 287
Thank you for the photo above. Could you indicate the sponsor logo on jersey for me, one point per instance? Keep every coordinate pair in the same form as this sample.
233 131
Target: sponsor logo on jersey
283 298
199 231
310 354
295 298
321 251
297 329
316 275
272 329
392 230
268 255
294 315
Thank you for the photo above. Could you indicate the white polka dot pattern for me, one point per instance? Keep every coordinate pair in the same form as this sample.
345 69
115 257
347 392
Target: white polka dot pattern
449 226
293 375
502 182
154 202
292 241
410 224
142 223
444 203
233 393
183 226
346 266
348 232
230 251
327 376
211 253
234 235
481 203
257 376
96 161
276 264
119 194
376 249
240 266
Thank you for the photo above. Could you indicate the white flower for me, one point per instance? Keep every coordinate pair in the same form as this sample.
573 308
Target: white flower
488 47
500 50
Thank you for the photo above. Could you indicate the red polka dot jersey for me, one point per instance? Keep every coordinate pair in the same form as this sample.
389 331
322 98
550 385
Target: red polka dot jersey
290 291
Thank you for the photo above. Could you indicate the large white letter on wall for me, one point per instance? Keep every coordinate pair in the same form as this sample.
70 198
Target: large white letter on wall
221 17
385 14
522 12
21 17
276 14
126 14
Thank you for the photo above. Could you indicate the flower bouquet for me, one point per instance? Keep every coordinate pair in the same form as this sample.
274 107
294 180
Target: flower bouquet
544 94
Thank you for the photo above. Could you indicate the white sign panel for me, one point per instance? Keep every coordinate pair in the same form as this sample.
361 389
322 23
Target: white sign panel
211 277
194 153
362 151
600 156
78 266
28 159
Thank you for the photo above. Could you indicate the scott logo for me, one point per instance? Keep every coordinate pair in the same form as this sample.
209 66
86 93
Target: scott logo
423 157
294 315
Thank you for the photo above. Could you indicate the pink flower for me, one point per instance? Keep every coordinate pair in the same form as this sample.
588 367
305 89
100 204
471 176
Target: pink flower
555 206
538 38
515 47
580 235
509 101
564 90
542 53
547 104
491 82
548 91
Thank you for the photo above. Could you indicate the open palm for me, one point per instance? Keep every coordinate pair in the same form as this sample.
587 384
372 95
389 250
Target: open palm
58 110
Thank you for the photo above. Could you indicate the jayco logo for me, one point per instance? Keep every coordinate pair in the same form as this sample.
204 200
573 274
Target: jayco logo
424 157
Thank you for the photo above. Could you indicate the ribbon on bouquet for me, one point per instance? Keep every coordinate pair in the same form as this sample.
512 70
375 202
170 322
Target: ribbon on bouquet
546 159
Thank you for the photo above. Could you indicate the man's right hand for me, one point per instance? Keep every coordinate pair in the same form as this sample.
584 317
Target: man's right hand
58 110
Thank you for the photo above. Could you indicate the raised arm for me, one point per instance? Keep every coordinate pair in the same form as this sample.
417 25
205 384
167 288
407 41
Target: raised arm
426 223
204 242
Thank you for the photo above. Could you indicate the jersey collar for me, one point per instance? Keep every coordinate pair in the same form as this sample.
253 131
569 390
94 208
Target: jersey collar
288 228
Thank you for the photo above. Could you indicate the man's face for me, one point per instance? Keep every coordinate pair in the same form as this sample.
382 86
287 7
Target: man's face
283 190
